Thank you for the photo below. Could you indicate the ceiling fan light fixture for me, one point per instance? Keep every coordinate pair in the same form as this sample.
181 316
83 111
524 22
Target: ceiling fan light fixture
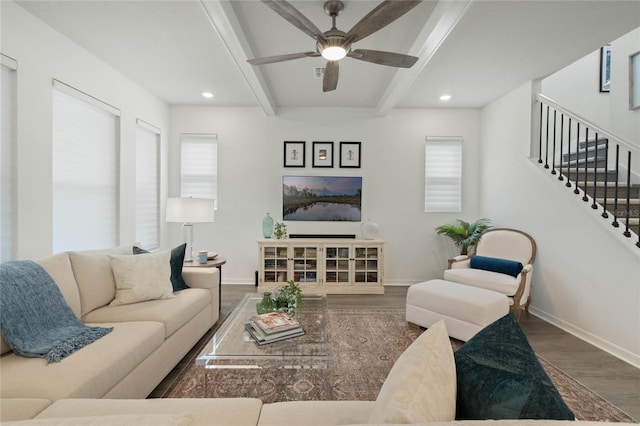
334 53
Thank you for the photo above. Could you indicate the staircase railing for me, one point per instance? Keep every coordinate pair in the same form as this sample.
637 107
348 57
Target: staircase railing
593 162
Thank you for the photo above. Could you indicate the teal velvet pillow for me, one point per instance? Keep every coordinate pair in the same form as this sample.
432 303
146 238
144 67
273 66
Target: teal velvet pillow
500 377
176 261
495 264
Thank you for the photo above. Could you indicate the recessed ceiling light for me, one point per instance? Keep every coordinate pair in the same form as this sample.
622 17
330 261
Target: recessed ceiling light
445 97
207 94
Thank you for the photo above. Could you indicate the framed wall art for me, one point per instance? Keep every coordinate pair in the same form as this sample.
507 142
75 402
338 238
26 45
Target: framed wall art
294 154
605 69
350 155
322 154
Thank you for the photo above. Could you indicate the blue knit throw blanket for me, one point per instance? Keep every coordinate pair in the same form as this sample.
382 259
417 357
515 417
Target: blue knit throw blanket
35 319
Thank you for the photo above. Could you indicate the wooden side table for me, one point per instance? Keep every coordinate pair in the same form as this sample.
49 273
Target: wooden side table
213 263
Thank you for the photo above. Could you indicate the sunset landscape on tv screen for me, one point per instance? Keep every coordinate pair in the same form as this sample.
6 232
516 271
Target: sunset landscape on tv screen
321 198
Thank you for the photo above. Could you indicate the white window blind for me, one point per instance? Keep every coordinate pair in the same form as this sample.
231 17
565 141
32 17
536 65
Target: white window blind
147 185
85 171
443 174
199 166
8 107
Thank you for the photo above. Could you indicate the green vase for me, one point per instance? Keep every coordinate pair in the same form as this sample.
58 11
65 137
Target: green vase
267 304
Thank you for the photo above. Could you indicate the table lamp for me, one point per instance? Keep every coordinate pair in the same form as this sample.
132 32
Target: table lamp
190 211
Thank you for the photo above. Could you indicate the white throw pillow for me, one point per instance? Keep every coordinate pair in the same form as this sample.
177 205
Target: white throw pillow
421 386
142 277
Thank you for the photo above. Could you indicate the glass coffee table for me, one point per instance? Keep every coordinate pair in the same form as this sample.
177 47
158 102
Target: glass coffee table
232 347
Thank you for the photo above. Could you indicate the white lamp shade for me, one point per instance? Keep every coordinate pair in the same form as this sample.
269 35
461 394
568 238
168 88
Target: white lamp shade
190 210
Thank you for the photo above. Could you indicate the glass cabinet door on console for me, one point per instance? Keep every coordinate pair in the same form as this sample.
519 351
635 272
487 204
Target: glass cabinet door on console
305 263
275 264
366 265
336 264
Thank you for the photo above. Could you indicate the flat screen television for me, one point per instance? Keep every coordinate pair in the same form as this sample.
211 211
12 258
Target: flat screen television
322 198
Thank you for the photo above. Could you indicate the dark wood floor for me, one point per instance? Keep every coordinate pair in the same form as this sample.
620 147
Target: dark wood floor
604 374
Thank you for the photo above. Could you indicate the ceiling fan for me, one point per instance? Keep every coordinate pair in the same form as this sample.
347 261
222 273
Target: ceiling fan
335 44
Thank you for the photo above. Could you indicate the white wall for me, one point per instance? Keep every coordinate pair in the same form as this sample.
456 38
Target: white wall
576 87
250 179
44 54
586 275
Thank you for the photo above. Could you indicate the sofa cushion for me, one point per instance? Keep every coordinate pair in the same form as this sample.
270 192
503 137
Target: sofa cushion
59 267
141 278
176 262
495 281
500 377
207 411
496 264
21 408
92 270
173 313
316 413
185 419
89 372
421 386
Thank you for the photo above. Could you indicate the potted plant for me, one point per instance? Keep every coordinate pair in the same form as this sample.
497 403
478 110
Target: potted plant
289 297
280 231
464 235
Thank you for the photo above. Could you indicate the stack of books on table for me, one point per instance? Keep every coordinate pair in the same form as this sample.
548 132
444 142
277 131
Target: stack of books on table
273 327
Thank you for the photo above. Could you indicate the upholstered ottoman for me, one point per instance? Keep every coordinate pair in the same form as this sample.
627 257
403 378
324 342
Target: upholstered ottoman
466 310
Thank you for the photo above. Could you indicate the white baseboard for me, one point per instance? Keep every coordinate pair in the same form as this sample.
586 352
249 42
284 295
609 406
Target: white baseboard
611 348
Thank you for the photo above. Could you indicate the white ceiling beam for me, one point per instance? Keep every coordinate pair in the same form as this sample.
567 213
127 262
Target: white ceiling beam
442 21
225 22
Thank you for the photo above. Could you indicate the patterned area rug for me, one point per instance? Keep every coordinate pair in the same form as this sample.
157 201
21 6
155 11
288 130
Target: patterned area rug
365 345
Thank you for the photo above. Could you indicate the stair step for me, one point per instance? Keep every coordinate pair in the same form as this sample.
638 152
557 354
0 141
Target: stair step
599 172
592 142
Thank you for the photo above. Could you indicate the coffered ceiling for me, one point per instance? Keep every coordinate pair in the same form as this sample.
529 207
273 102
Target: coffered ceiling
473 50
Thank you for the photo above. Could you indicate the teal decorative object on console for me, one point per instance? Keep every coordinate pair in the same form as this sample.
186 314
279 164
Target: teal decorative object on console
267 304
267 226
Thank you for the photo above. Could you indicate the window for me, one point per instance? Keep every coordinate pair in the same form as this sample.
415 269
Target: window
199 167
443 174
8 107
85 171
147 185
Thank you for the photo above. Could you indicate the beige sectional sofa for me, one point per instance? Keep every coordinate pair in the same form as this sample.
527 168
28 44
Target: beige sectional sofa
212 412
420 389
148 338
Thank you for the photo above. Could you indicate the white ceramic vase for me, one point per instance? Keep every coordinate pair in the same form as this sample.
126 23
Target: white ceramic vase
369 230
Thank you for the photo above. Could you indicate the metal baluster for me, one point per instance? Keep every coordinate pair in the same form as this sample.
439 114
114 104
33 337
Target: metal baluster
553 151
576 190
627 212
540 145
568 184
594 205
615 195
586 157
606 179
546 155
560 176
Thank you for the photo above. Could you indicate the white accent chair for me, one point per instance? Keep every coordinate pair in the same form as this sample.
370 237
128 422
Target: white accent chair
501 243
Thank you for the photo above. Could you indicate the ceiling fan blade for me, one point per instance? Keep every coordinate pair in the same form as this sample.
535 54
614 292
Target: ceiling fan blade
384 58
330 80
384 14
295 17
281 58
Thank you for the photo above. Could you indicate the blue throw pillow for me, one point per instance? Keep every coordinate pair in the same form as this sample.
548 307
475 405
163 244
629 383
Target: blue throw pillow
176 261
494 264
500 377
